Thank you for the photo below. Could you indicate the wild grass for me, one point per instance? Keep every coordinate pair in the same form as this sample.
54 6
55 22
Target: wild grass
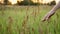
27 20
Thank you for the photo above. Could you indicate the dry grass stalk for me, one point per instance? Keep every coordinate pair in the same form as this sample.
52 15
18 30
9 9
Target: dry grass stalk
28 30
9 29
33 30
24 24
40 30
0 28
18 29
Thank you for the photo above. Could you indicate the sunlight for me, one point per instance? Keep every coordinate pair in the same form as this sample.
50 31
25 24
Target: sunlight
45 1
42 1
35 1
57 1
19 0
1 1
13 1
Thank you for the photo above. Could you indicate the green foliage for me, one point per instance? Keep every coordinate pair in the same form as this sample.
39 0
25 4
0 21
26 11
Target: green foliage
53 3
5 2
27 3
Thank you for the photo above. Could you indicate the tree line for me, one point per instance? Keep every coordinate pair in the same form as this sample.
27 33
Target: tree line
27 2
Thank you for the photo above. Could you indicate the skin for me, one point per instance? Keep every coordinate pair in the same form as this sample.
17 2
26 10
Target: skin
51 12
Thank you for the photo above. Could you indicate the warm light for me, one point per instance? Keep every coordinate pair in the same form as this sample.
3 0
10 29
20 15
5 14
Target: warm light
57 1
13 1
45 1
35 1
1 1
19 0
42 1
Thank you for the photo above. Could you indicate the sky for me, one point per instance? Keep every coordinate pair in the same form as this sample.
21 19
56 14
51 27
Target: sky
43 1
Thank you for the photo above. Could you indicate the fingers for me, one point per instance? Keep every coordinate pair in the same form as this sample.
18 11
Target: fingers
45 18
48 15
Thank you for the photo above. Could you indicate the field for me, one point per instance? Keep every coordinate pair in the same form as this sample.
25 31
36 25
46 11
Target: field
27 20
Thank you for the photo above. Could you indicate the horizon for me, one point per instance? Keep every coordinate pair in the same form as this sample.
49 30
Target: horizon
35 1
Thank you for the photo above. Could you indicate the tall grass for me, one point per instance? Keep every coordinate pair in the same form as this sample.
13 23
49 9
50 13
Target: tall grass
27 20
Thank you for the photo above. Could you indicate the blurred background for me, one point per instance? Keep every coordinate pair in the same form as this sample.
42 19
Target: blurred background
28 2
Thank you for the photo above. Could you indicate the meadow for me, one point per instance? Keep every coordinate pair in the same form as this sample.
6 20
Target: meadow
27 20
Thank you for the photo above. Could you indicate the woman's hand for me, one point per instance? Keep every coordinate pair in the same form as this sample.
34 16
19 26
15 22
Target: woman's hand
48 15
